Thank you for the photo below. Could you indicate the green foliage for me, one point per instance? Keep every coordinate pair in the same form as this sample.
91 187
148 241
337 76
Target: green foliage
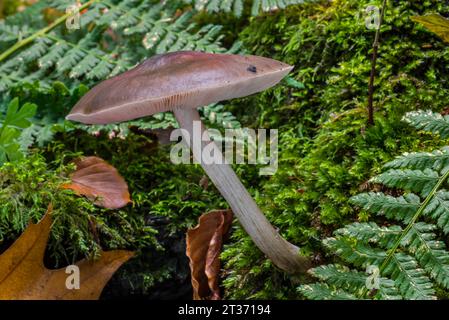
80 229
344 284
53 71
114 36
326 152
94 53
414 257
237 6
8 7
12 126
165 197
430 121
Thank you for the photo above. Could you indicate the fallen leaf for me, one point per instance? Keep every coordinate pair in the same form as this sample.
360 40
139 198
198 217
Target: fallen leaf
100 182
23 275
435 23
204 244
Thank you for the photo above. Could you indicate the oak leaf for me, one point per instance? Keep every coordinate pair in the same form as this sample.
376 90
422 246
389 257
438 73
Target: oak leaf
23 275
204 244
100 182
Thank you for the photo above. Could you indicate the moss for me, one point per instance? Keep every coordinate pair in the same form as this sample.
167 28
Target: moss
166 198
326 151
79 228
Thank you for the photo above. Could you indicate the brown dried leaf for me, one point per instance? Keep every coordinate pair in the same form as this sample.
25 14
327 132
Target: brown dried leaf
100 182
204 244
23 275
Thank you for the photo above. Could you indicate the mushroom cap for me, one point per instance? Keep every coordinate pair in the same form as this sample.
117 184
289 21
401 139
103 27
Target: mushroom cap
185 79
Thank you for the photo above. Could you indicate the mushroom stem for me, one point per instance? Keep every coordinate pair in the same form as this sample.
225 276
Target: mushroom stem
283 254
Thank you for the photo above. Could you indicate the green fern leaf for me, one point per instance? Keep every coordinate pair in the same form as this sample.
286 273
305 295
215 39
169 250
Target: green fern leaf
437 160
371 233
410 279
354 282
419 181
401 208
429 121
429 252
354 252
236 6
320 291
438 209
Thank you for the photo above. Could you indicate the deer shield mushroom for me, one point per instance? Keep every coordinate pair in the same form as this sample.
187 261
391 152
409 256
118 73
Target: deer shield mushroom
181 82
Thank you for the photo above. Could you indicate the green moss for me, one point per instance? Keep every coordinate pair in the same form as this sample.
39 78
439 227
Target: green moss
79 228
326 151
166 197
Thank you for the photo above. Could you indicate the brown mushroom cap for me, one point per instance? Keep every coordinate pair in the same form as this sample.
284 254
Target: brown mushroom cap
181 79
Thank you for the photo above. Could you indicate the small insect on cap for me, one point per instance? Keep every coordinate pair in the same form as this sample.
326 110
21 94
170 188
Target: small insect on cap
183 79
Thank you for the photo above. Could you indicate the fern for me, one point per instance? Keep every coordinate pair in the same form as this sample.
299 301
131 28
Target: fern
436 160
420 181
321 291
114 36
216 115
83 56
350 284
429 121
237 6
401 208
409 255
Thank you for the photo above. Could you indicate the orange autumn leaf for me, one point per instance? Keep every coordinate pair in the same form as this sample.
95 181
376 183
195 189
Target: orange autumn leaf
204 244
100 182
23 275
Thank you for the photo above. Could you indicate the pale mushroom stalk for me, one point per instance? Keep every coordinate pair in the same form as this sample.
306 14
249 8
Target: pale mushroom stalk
182 82
282 253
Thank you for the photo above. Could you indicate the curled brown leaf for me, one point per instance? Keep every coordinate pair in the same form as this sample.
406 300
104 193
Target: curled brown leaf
100 182
204 244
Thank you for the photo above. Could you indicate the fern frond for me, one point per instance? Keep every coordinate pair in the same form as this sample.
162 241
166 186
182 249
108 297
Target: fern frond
429 121
436 160
430 253
354 282
217 115
355 252
321 291
53 55
410 279
418 181
399 208
13 33
412 256
93 53
438 209
236 6
372 233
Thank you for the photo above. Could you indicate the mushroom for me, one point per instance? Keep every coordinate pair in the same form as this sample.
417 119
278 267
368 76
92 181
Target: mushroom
181 82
